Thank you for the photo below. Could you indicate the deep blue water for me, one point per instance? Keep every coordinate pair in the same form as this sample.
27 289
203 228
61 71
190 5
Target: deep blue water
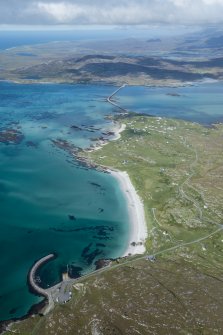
200 103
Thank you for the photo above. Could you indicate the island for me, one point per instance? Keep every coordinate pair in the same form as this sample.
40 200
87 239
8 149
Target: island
176 169
169 279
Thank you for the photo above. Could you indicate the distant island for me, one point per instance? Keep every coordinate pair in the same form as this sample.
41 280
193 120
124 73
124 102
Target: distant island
153 62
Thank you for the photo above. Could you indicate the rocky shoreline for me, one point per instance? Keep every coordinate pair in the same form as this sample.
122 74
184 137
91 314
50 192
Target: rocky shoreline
34 310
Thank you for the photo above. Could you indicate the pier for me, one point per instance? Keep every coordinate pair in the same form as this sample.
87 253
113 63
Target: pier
59 293
34 285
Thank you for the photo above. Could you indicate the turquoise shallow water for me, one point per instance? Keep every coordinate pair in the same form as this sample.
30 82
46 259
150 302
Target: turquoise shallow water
48 202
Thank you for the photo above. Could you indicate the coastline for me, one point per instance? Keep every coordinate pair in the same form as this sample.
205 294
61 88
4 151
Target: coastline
136 244
117 130
138 226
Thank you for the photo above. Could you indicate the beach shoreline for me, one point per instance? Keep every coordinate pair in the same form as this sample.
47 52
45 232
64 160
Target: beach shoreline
138 226
117 129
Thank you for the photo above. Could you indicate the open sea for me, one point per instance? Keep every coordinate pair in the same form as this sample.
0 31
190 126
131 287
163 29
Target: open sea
49 202
11 38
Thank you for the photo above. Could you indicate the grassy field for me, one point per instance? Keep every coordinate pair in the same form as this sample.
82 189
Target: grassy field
177 169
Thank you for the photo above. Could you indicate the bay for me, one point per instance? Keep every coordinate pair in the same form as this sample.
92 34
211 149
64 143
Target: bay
48 201
200 102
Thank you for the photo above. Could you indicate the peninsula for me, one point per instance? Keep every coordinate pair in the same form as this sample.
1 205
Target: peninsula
181 271
167 277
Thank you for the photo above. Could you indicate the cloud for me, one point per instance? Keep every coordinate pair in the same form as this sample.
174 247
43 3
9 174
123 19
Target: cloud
61 12
109 12
117 13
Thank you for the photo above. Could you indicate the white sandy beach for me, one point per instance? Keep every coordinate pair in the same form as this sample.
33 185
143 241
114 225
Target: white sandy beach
118 129
138 232
136 214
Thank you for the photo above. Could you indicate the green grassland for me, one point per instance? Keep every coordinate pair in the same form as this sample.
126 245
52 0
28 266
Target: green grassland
177 170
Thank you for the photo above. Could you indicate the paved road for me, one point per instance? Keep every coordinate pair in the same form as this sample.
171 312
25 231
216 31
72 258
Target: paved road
139 257
59 292
113 103
184 244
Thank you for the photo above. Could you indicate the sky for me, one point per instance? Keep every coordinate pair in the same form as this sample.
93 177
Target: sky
110 12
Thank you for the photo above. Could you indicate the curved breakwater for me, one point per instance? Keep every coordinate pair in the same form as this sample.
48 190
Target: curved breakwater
51 201
32 275
57 203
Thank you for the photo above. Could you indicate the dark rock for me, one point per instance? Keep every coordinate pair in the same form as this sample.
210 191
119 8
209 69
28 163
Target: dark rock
101 263
31 144
174 94
13 310
100 245
86 250
74 271
72 217
11 136
95 184
76 127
